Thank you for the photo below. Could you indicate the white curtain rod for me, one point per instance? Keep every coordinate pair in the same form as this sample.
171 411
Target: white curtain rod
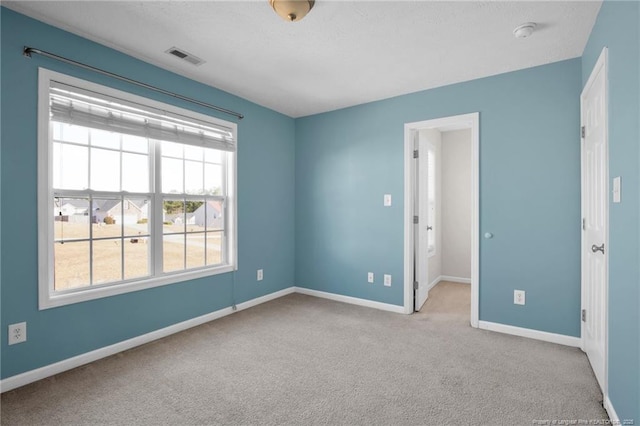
28 51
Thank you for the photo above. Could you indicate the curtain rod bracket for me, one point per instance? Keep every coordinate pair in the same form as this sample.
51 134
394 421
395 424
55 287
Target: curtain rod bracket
28 51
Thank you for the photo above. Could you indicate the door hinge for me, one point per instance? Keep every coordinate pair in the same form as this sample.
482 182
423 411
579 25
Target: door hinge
584 315
415 220
584 224
415 153
583 132
416 285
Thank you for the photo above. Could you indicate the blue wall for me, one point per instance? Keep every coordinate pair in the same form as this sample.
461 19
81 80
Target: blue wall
529 191
617 28
265 206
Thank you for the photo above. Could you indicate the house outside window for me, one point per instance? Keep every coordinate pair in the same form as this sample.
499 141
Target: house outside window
133 193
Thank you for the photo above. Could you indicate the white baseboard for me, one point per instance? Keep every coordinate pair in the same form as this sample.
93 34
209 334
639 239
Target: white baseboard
450 279
435 282
455 279
52 369
263 299
352 300
613 416
560 339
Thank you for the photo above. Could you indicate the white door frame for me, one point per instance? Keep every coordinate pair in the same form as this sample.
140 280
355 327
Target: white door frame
464 121
601 65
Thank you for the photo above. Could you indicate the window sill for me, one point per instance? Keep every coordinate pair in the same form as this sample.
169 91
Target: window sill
47 301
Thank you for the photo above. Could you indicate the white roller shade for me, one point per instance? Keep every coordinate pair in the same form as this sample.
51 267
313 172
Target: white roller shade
80 107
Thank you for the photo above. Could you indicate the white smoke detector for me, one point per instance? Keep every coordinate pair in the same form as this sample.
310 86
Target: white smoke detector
524 30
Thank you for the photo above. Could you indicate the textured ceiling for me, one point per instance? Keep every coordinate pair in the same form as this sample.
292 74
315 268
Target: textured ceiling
343 53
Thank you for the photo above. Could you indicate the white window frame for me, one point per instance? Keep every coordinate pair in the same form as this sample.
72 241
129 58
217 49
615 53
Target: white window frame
48 297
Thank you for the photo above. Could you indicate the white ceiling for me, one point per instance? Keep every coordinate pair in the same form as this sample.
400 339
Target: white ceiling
343 53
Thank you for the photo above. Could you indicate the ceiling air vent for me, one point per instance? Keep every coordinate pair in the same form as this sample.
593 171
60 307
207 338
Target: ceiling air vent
185 56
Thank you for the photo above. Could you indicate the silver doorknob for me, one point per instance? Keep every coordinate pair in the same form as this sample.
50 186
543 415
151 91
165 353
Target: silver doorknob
595 248
429 228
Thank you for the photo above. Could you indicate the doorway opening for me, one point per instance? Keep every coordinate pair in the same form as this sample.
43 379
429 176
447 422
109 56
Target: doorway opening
442 209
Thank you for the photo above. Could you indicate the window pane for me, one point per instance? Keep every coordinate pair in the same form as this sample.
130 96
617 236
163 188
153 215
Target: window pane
107 217
214 248
107 261
174 218
193 152
213 179
135 172
70 166
173 253
71 265
135 144
70 133
215 215
136 258
195 216
212 156
172 176
195 250
105 170
135 216
71 218
170 149
194 178
105 139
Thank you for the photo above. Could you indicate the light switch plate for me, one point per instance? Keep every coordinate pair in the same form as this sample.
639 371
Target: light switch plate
387 200
617 189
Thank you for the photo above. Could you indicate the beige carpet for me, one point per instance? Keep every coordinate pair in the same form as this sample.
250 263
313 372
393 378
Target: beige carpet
448 301
300 360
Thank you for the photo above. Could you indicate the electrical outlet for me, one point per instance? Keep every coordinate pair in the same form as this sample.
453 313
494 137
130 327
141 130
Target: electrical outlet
260 274
387 200
17 333
387 280
370 277
518 297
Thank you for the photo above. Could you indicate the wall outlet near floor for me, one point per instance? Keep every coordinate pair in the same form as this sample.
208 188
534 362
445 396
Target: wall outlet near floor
387 280
518 297
260 274
17 333
370 277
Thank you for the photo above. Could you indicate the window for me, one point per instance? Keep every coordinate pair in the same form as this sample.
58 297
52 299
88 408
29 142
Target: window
431 199
132 194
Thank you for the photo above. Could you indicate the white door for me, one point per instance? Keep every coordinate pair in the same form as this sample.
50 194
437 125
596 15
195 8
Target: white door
423 229
595 176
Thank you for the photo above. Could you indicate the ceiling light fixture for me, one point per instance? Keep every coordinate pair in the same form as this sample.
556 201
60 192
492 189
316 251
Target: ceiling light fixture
524 30
292 10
